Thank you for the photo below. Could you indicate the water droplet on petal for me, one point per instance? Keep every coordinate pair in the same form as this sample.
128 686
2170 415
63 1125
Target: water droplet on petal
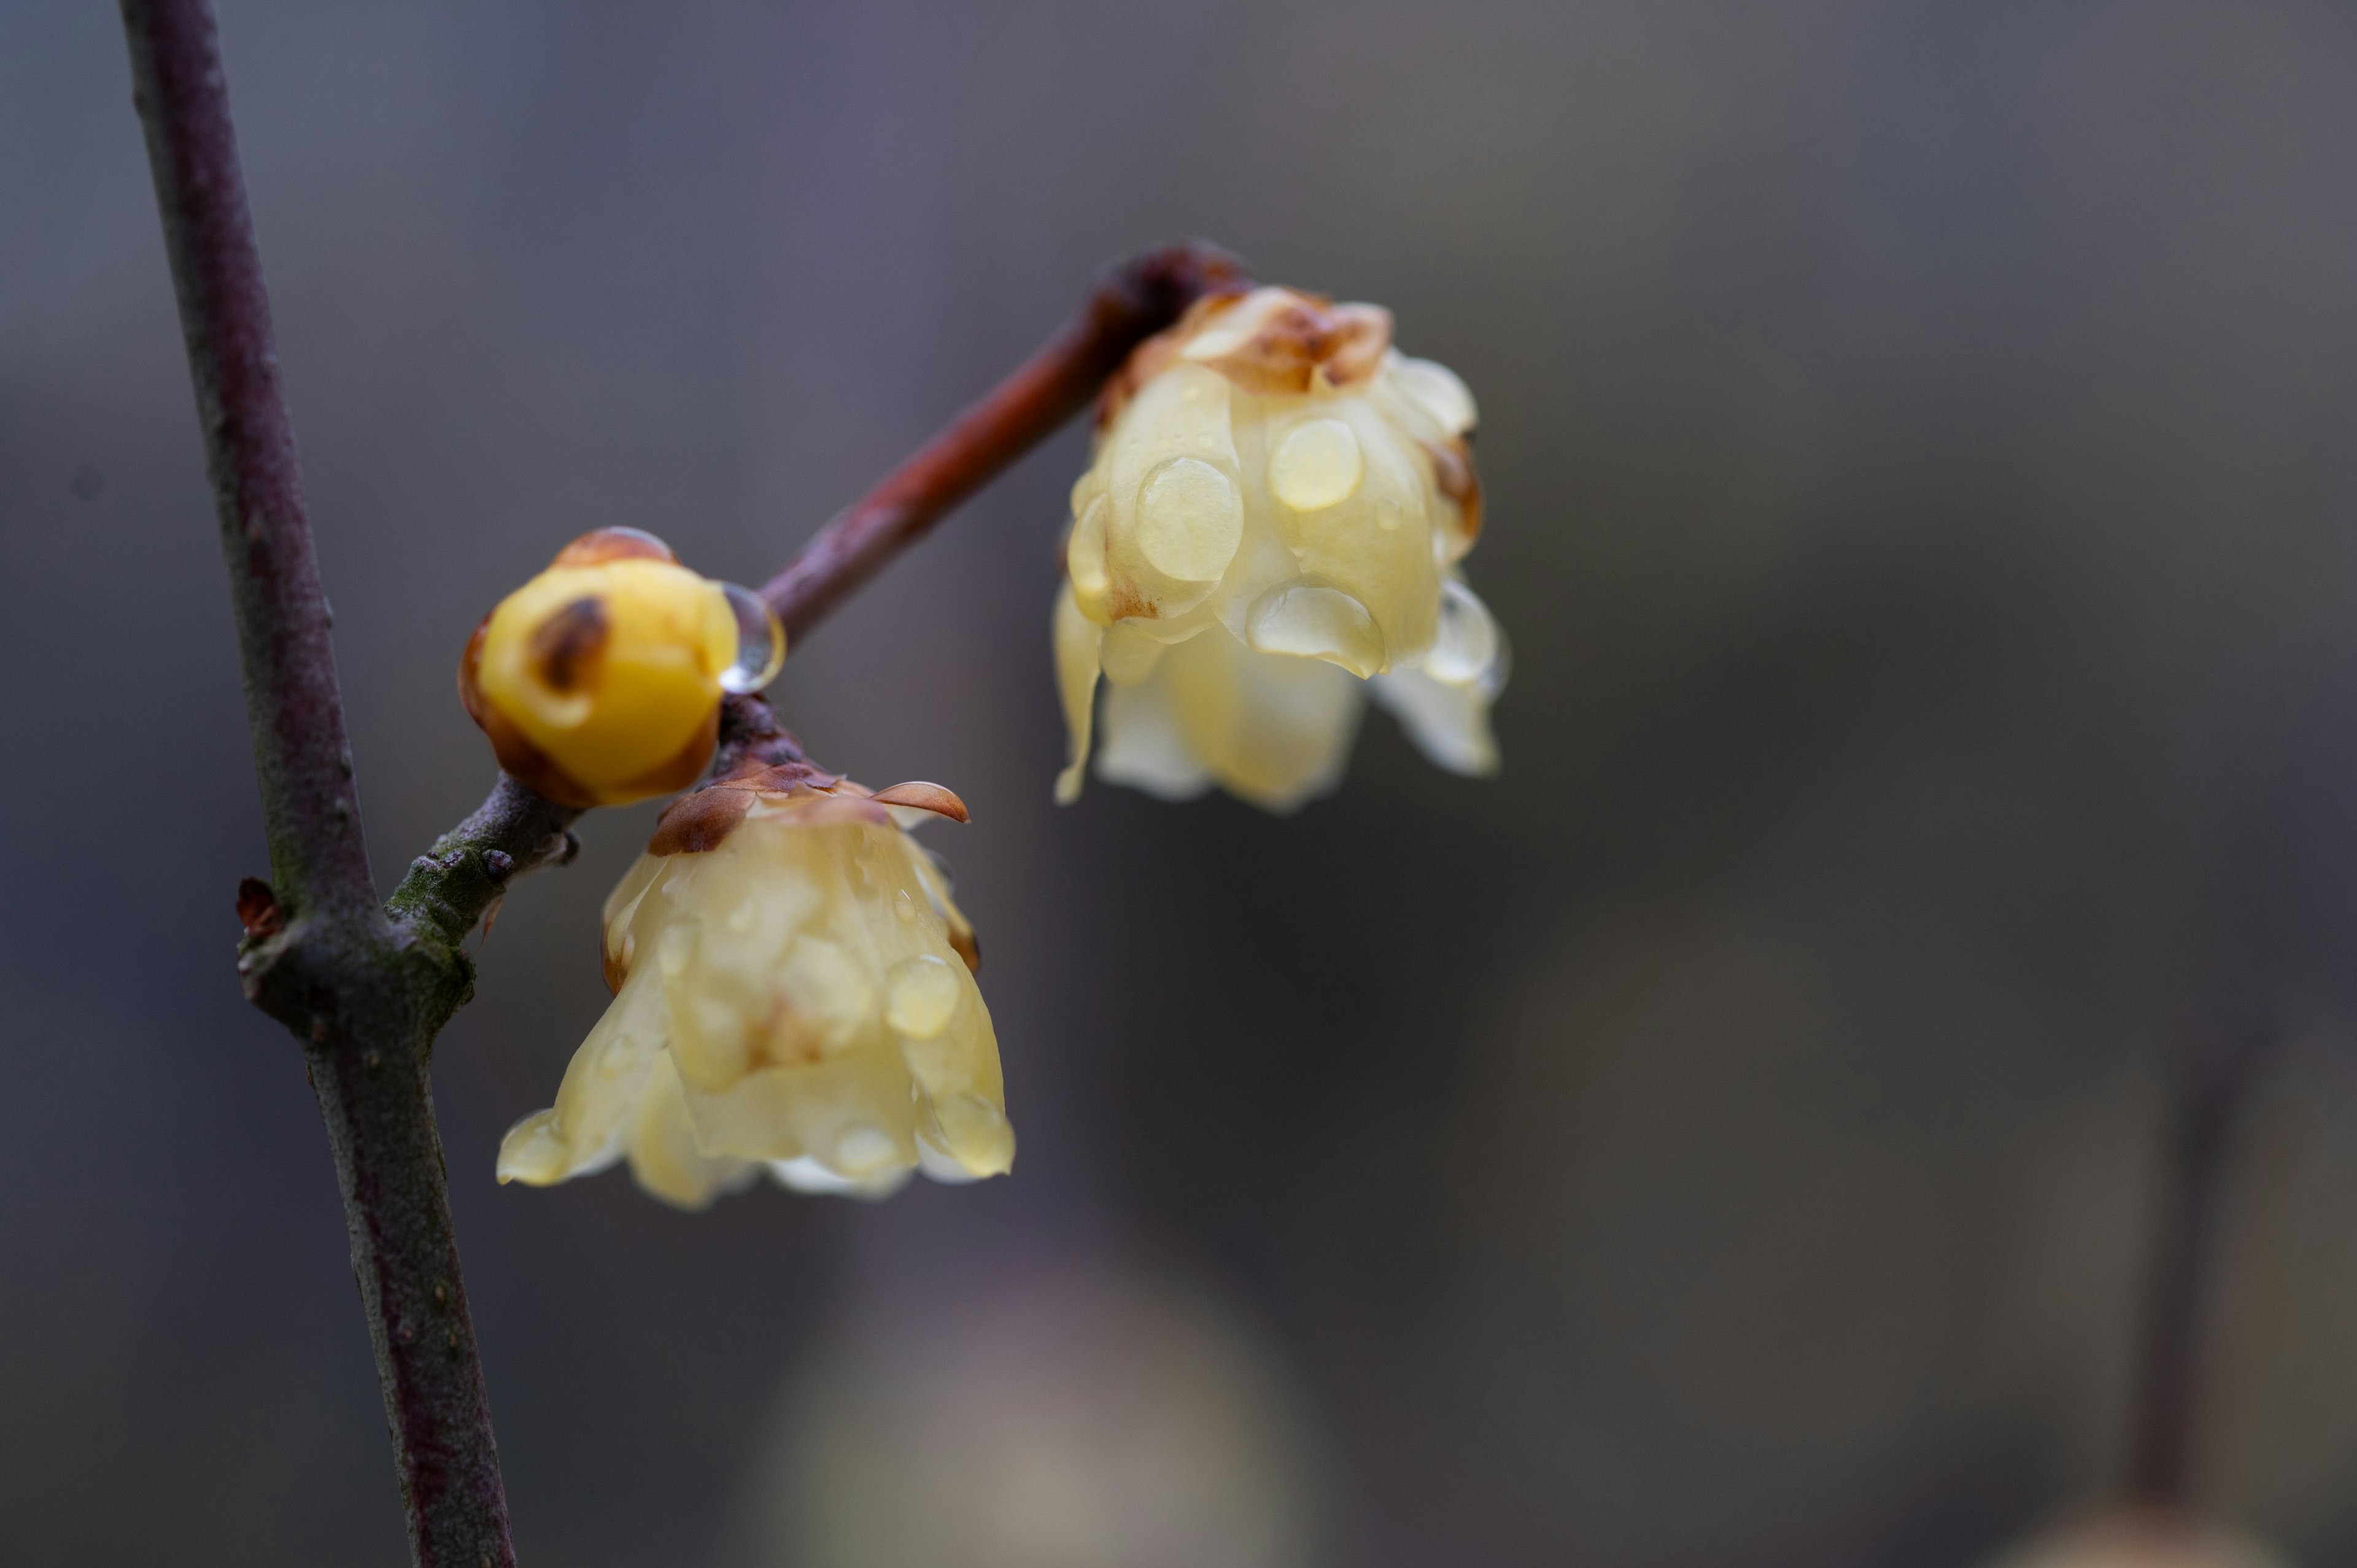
924 995
1084 556
976 1133
1316 465
1189 519
760 642
1465 648
1316 623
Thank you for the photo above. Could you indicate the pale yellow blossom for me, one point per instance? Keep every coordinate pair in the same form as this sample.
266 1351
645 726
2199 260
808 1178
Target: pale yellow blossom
793 994
1271 530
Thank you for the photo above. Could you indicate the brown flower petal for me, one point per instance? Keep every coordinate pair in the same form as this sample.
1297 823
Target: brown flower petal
1300 336
926 797
700 821
779 778
1452 473
1149 358
830 808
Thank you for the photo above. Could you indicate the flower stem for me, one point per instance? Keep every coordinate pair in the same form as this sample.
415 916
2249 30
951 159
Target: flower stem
1130 303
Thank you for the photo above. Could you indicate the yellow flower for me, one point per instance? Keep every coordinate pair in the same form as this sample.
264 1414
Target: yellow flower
1271 529
599 680
793 992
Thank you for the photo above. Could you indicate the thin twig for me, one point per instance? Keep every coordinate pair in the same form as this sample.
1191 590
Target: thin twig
1130 303
2216 1066
364 994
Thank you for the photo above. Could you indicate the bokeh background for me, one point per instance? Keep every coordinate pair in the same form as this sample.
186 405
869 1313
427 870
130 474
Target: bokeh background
1918 439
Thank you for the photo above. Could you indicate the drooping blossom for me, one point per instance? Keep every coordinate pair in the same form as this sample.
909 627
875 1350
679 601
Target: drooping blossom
1271 530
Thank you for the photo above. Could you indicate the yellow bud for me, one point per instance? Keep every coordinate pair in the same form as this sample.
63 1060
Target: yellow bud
599 680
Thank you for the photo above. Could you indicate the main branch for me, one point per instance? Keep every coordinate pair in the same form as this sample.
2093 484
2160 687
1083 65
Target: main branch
363 993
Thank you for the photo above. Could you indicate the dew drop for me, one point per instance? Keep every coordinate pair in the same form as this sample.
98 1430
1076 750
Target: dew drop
1316 465
1465 648
1084 554
761 640
1387 514
1316 623
924 995
1189 519
976 1133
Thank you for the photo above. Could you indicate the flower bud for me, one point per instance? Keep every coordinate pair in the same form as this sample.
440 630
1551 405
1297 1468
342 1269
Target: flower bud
1274 519
793 992
599 680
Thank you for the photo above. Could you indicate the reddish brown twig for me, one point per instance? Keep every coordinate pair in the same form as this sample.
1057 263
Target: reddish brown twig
1129 304
366 995
365 989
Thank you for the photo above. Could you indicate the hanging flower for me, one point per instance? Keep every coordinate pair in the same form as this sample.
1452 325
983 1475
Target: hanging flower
599 680
793 991
1272 529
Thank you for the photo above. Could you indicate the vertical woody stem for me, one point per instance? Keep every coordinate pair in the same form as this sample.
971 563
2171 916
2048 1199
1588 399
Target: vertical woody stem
309 808
363 993
2216 1067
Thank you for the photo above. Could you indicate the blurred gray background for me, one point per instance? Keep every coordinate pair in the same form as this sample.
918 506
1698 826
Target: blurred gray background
1919 447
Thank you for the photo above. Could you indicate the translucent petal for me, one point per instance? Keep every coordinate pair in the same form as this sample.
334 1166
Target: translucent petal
583 1131
1272 729
1436 389
1077 639
664 1159
1143 746
1130 652
809 1176
1449 723
1084 559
